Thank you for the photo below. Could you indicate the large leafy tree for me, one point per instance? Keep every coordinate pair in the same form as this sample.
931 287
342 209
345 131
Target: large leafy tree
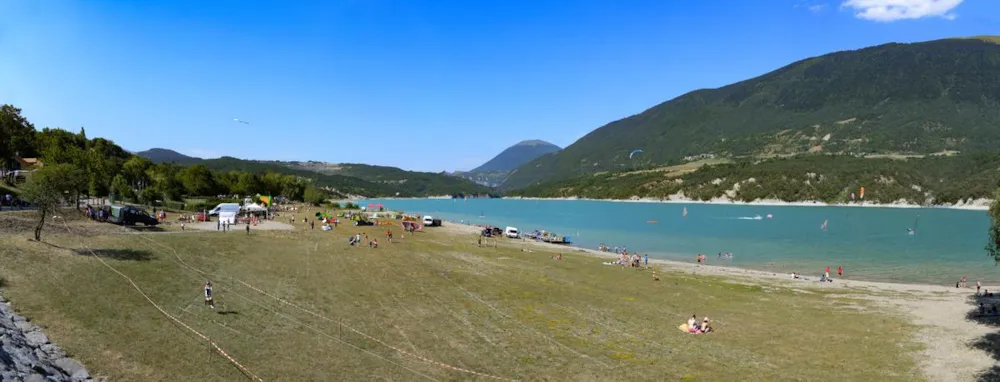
314 196
164 181
121 189
198 180
135 170
993 245
48 186
17 136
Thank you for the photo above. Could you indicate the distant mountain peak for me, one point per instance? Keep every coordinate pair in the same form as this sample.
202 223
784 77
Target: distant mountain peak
535 142
495 171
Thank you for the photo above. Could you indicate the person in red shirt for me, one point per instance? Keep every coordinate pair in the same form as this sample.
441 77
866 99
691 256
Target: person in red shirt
826 272
840 271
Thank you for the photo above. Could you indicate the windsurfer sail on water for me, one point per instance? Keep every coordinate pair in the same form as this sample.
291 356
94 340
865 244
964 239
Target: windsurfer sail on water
913 231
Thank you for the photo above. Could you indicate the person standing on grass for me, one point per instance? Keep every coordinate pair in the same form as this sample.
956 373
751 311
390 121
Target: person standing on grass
208 294
248 228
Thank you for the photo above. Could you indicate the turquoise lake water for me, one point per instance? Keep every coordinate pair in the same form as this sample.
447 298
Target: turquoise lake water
870 243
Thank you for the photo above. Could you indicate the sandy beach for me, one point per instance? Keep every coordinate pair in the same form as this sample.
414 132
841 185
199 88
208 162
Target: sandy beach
974 205
938 311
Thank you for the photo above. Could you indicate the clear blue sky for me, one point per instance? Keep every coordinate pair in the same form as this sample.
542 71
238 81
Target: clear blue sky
423 85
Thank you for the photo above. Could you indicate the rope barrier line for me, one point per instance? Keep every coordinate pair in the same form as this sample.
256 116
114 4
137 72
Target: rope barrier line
287 316
279 299
401 351
505 315
320 332
218 349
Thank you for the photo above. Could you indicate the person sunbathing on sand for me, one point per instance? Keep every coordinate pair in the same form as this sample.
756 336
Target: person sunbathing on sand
655 277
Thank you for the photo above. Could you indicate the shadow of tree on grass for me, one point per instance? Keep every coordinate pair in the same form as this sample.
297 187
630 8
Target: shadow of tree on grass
983 313
118 254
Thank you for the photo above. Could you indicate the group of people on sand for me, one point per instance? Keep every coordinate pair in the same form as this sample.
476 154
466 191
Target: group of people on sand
633 260
605 248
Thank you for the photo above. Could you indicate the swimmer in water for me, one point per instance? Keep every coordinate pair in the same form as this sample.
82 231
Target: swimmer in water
909 231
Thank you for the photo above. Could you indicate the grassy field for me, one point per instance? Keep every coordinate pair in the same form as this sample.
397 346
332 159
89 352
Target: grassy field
362 314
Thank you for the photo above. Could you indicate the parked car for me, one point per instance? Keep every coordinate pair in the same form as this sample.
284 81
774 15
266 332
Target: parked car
129 215
511 232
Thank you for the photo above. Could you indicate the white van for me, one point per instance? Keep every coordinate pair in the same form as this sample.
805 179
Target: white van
511 232
225 207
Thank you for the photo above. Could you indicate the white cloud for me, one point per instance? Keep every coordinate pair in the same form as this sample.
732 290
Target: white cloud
893 10
816 8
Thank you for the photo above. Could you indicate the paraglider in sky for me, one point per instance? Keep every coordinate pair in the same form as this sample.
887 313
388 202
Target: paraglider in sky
630 155
241 121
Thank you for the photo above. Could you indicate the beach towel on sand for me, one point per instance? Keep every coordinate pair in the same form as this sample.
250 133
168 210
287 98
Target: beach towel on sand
684 327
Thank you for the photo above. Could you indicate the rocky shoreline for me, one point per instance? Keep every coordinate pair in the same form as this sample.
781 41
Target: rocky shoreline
27 355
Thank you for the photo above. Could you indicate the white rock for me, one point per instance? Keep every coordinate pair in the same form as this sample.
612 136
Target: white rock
36 338
73 368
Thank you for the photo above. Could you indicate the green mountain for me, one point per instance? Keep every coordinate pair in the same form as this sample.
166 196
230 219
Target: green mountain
928 180
494 172
406 183
158 155
346 179
919 98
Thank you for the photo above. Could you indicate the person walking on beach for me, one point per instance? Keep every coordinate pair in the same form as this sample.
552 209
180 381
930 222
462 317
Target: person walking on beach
826 272
248 228
978 285
645 260
840 271
965 280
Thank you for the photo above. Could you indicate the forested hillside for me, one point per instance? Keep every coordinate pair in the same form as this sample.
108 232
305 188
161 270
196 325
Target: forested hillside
827 178
99 168
915 98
